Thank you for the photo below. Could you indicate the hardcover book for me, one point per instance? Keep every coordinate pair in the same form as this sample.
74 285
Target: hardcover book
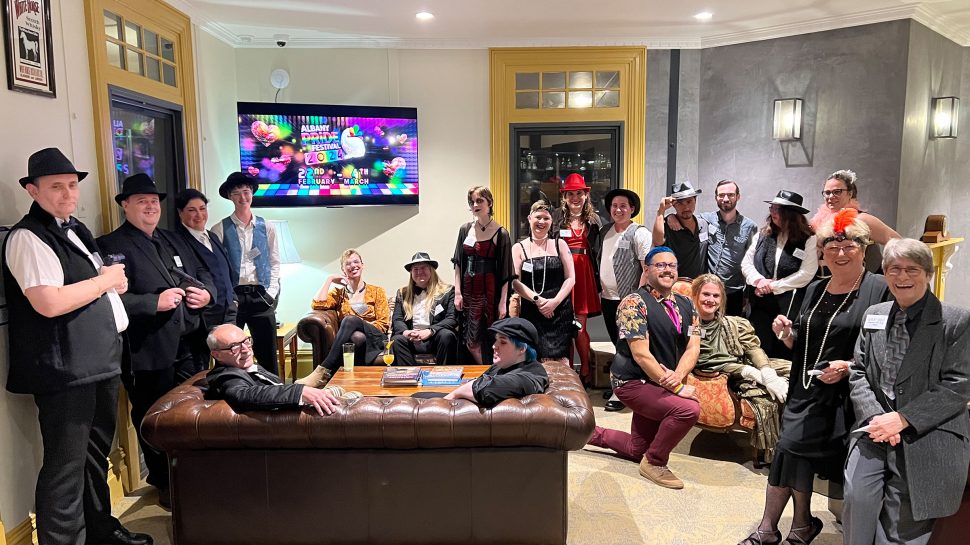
401 376
442 377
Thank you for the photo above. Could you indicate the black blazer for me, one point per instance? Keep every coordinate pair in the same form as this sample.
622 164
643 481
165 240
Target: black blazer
244 392
441 320
153 336
224 306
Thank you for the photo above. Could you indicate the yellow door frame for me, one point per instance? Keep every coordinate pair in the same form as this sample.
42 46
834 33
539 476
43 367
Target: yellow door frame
505 63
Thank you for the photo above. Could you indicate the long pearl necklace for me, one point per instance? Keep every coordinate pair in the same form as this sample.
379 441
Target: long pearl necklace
545 256
806 378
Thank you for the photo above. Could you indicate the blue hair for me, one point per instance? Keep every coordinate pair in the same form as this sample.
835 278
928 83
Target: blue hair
530 353
656 250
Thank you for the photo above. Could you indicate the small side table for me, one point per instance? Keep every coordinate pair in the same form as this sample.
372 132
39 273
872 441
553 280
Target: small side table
286 337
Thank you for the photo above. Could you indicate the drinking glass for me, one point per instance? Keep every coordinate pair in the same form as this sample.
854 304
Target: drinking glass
348 349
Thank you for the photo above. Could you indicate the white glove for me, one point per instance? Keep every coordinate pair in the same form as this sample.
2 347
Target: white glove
751 373
777 386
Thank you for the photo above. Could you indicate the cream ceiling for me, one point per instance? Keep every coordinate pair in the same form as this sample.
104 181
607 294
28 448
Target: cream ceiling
521 23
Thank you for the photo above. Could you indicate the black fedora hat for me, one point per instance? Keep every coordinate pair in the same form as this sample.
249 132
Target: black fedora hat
237 179
620 192
420 257
47 162
516 328
138 184
789 199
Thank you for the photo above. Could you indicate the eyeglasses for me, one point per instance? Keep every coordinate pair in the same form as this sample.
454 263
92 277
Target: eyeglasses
236 348
663 265
847 249
896 270
726 196
832 192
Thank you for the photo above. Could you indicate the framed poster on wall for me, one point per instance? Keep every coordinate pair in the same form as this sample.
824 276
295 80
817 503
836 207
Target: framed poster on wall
27 40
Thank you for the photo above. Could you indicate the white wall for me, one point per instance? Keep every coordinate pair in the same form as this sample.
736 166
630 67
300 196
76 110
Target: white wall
32 123
450 91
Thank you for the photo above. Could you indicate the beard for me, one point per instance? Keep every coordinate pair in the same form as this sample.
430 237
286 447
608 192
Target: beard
727 206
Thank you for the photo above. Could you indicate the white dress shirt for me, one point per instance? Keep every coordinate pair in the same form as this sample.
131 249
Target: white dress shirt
247 267
33 263
201 236
799 279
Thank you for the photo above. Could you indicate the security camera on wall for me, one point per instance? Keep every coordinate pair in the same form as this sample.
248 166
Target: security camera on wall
281 39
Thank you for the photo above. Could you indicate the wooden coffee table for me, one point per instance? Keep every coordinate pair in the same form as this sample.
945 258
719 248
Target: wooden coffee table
367 380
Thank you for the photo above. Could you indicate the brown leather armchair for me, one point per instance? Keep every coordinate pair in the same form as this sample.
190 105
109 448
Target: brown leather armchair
319 328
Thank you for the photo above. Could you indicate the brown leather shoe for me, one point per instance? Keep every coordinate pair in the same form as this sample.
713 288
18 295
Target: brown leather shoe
660 475
318 378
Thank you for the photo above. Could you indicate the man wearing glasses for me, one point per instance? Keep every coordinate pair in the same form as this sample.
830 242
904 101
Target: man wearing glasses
246 386
658 347
729 235
254 256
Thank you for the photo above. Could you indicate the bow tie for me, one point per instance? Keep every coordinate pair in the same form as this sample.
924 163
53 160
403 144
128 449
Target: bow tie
71 223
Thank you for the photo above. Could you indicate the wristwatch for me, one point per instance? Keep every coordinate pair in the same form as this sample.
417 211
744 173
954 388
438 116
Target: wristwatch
535 298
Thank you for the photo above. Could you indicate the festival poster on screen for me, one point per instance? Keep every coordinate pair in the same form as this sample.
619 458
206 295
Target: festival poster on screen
330 160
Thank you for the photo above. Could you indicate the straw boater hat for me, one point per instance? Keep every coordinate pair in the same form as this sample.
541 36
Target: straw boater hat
139 184
47 162
684 190
420 257
789 199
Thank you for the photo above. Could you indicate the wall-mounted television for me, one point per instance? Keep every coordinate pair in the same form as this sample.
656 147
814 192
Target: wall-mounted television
320 155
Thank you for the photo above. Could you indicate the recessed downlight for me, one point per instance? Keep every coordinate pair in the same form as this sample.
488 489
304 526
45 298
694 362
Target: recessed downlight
424 16
704 16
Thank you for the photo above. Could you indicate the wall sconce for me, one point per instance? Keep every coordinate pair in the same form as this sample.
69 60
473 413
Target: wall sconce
946 117
788 119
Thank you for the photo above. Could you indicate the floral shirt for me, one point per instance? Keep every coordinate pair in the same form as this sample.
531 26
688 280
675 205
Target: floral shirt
631 315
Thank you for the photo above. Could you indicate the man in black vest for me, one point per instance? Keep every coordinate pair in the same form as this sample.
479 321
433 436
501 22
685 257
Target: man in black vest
64 300
168 292
658 347
682 231
192 206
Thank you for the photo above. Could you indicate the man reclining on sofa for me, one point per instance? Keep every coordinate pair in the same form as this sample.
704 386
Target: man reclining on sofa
247 386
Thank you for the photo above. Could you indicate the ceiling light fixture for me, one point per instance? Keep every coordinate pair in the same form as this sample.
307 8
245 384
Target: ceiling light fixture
424 16
704 16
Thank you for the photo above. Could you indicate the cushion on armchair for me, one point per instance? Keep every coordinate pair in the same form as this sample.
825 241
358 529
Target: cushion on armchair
717 406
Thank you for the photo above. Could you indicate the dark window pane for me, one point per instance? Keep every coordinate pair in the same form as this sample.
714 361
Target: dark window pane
151 42
168 50
526 100
154 70
553 80
168 74
526 80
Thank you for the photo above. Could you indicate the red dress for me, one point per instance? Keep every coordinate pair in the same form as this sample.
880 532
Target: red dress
586 298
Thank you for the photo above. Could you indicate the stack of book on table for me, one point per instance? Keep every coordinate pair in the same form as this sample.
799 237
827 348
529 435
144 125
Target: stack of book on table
442 377
401 376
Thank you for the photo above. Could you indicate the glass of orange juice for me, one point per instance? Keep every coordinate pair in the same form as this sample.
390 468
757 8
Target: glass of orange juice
388 354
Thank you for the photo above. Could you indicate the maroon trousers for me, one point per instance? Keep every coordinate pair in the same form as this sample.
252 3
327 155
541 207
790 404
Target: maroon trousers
660 420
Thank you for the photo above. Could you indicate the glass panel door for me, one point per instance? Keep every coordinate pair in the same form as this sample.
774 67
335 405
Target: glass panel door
148 139
543 155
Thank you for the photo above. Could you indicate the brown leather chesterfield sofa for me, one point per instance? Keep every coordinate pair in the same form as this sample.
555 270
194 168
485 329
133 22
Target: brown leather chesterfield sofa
318 327
381 470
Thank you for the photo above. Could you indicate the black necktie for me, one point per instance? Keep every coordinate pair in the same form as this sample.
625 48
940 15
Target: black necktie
71 223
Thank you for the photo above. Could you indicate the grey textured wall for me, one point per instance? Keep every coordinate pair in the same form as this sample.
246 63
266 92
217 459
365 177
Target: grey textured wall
658 106
853 82
928 168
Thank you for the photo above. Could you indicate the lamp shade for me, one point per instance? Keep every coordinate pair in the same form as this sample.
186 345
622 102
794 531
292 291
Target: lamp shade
787 119
946 117
284 239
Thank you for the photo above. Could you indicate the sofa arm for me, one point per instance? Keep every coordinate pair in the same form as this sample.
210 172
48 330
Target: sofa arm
319 328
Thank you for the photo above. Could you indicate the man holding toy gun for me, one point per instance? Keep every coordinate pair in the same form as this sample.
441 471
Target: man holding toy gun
168 288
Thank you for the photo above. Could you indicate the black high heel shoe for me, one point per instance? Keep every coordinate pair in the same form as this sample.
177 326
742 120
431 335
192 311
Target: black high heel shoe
815 525
758 538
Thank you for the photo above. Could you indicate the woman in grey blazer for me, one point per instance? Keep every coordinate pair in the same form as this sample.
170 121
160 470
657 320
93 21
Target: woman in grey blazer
909 385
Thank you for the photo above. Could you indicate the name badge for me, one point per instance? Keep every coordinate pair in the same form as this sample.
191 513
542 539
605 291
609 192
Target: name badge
526 266
876 321
799 253
470 239
623 245
702 236
178 261
439 309
252 254
712 229
696 331
563 233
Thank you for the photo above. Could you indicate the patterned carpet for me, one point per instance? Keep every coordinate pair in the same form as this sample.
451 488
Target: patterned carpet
611 504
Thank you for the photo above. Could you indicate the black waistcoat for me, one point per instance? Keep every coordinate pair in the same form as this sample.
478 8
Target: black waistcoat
666 344
80 347
764 257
